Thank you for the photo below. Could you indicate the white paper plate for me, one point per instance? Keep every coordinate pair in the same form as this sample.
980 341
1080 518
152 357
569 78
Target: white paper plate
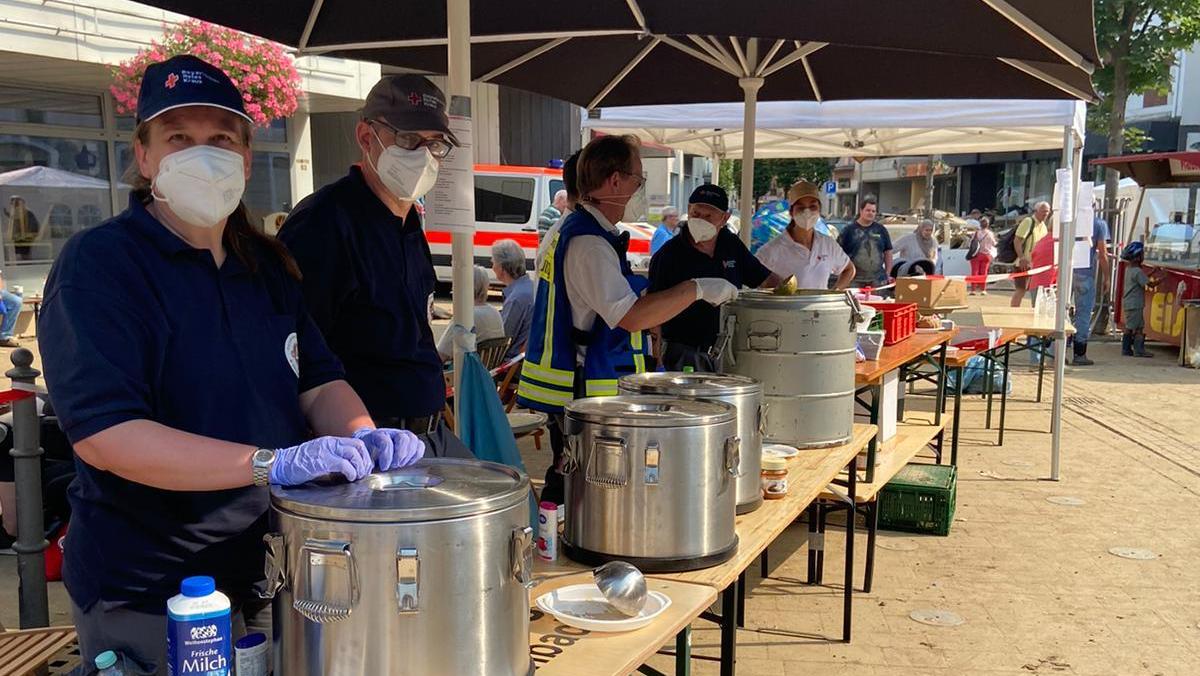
583 606
780 450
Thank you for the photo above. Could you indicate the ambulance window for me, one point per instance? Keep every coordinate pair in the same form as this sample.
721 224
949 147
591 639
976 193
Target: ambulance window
503 199
556 184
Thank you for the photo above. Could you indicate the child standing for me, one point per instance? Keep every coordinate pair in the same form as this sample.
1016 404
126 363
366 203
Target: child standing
1133 301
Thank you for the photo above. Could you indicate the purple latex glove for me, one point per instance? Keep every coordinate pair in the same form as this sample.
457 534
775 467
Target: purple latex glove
320 457
390 448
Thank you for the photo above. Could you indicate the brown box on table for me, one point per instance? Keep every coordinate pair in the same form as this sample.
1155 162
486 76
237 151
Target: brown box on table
931 294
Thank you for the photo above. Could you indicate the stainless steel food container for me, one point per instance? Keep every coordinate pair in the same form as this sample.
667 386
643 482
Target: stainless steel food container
801 347
418 571
651 480
744 394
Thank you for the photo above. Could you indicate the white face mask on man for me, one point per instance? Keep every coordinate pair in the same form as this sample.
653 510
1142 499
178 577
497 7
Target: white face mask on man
635 208
702 230
407 174
202 185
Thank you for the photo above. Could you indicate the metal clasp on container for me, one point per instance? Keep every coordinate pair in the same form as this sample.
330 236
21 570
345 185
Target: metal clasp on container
856 311
408 580
326 563
608 463
273 571
733 455
521 556
763 336
652 457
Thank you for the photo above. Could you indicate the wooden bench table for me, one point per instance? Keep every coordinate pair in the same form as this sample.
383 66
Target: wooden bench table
27 651
958 363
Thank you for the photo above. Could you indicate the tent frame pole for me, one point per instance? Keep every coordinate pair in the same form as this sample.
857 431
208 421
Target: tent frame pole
750 85
462 244
1066 248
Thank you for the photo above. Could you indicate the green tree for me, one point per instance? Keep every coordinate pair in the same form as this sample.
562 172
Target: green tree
783 172
1138 41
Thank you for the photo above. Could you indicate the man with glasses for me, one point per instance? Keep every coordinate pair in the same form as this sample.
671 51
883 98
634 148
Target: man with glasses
589 314
368 274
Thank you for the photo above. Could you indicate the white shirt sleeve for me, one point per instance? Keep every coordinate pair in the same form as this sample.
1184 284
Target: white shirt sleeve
837 257
595 285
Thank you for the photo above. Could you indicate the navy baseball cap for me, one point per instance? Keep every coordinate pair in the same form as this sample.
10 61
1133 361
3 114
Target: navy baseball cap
409 103
186 80
712 195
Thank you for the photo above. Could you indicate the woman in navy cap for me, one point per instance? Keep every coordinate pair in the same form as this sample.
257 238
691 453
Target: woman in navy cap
188 375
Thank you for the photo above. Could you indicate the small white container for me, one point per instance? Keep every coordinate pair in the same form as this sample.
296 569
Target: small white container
198 631
547 542
871 343
251 655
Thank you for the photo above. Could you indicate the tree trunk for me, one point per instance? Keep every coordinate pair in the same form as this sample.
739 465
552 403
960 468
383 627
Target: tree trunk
1116 134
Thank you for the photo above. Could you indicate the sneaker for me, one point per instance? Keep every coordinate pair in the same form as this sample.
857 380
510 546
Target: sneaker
1082 361
9 342
1142 354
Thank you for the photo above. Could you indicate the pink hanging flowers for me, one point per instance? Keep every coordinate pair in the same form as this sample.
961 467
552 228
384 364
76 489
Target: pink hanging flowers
262 70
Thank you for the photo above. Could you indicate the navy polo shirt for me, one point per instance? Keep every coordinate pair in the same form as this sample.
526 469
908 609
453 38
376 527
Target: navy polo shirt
679 260
368 278
139 325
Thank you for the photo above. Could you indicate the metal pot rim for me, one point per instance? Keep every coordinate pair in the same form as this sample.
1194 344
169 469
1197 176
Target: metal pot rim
650 410
689 384
803 298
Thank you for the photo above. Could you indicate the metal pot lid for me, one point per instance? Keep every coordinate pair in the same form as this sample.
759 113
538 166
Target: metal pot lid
431 490
800 298
689 384
650 410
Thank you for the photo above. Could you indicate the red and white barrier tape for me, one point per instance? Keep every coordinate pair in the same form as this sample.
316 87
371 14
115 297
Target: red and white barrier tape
970 279
15 394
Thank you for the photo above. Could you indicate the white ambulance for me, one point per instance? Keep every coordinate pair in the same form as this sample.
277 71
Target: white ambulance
508 201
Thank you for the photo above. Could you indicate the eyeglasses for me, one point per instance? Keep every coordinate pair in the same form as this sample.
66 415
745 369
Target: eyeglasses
438 147
641 178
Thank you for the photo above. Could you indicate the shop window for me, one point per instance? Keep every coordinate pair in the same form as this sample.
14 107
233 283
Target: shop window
276 132
270 186
34 106
62 223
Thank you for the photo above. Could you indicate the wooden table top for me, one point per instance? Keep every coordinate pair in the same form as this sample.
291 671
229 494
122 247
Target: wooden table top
809 473
912 435
559 649
893 357
960 357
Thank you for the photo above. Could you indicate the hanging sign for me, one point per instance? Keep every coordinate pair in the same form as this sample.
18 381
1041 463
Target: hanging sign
450 205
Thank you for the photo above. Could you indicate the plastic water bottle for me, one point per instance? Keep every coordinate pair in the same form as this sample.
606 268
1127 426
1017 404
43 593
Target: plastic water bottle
198 634
106 664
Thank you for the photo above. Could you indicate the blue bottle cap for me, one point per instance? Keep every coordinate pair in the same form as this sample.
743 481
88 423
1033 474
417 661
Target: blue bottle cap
106 659
197 585
250 640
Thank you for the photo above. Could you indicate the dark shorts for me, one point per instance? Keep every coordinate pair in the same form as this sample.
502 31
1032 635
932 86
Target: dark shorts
1133 318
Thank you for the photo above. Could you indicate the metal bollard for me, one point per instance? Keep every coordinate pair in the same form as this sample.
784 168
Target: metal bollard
27 464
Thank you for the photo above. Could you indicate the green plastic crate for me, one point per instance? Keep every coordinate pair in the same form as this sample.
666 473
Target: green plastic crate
919 499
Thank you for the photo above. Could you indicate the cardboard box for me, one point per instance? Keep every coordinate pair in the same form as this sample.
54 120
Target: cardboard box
931 294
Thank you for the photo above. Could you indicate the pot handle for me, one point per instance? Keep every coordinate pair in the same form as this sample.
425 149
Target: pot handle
763 336
721 348
326 559
570 462
521 556
608 463
408 581
733 455
762 419
856 311
273 571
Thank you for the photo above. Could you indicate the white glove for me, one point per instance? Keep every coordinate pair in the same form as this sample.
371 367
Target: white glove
715 290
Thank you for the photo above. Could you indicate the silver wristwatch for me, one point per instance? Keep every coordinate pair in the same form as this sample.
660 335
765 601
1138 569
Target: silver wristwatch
261 461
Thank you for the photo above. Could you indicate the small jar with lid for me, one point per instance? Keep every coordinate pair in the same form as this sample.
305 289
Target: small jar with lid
774 478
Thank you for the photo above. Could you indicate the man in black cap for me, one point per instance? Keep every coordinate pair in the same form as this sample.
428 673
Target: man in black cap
368 274
704 247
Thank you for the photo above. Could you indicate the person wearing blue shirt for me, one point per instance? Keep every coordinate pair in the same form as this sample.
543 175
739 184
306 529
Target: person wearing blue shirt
1083 287
368 274
508 264
187 375
665 230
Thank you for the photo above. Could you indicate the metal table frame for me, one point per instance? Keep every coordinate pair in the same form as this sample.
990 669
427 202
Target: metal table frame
993 359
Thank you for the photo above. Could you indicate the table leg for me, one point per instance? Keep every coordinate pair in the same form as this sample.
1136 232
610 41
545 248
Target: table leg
741 600
763 571
941 386
1041 370
873 446
812 541
957 418
728 630
851 517
871 510
822 514
683 652
1003 394
989 378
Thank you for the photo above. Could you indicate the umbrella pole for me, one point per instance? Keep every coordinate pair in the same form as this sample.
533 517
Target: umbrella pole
1066 247
750 85
462 245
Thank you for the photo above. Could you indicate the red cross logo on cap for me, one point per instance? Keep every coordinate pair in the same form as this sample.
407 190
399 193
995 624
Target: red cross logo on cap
171 80
414 98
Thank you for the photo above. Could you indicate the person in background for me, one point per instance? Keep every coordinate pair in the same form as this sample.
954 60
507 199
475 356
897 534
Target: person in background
488 323
704 248
800 251
1133 300
1029 232
570 166
552 213
188 375
869 246
368 274
918 250
508 264
665 230
20 223
985 243
12 303
1083 287
589 314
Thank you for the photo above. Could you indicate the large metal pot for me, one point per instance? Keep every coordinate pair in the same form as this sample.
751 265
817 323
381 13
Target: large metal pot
745 394
801 347
419 571
651 480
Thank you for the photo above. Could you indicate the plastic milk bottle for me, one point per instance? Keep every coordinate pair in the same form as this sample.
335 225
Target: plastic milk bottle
198 630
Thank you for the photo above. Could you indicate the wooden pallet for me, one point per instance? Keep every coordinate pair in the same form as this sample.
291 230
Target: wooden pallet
30 650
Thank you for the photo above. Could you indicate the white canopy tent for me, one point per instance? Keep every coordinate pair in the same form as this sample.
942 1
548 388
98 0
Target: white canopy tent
877 128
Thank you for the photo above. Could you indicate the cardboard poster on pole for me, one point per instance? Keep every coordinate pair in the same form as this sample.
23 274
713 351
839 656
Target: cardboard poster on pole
450 205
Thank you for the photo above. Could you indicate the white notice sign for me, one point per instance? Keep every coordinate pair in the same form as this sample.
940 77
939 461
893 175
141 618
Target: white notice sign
450 205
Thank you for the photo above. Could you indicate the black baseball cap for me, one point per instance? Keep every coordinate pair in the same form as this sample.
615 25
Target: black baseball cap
409 103
712 195
186 80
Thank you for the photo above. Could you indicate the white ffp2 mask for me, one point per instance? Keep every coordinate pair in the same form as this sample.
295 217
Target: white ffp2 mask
407 174
807 219
702 230
202 185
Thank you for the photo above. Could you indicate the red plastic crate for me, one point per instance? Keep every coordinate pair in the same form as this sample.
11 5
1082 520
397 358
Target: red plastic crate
899 320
